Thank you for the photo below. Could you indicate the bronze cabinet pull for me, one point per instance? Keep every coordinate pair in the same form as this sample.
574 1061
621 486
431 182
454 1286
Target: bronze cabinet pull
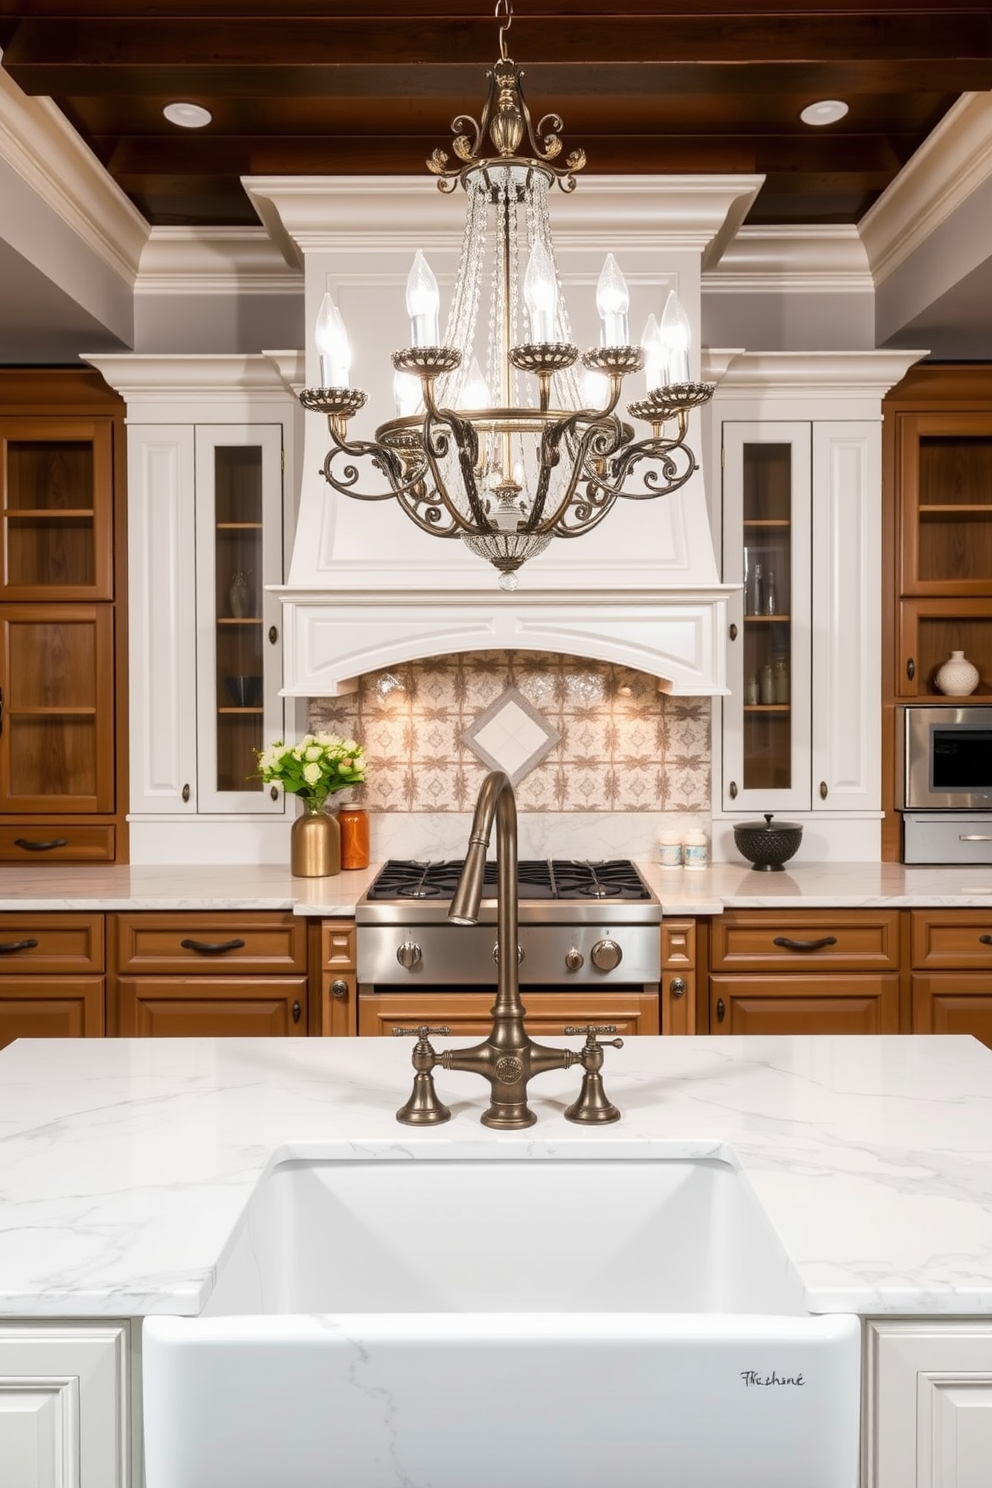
211 947
804 945
11 946
678 986
911 669
339 988
721 1010
985 940
40 846
297 1012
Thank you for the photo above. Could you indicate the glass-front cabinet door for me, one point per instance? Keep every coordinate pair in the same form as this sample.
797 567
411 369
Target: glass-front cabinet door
767 513
238 553
57 520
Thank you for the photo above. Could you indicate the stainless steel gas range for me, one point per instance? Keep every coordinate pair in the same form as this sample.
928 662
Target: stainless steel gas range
589 948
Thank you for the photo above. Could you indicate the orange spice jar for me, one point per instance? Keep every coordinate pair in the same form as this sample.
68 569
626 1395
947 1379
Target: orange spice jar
354 824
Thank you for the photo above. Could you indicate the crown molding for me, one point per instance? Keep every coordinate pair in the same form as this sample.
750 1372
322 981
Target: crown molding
796 259
215 261
311 214
224 377
38 142
825 374
949 166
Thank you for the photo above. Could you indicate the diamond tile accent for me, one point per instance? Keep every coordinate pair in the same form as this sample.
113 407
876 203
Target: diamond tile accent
511 736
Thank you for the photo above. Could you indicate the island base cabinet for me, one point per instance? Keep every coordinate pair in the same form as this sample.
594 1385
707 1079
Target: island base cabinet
953 1002
64 1395
929 1404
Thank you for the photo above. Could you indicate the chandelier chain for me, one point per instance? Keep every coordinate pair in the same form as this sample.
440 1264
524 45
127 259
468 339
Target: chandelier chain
504 14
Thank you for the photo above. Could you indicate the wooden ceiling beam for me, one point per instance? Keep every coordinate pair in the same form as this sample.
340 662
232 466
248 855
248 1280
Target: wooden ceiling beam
95 54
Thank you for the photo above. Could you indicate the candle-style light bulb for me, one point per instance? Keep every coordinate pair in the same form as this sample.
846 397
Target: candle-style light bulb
332 345
595 389
406 394
422 302
475 393
655 357
676 336
541 293
612 302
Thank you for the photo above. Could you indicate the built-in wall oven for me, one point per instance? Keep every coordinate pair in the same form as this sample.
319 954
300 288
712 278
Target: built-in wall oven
944 782
589 949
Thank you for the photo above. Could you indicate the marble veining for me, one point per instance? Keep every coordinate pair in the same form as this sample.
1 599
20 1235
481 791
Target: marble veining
125 1165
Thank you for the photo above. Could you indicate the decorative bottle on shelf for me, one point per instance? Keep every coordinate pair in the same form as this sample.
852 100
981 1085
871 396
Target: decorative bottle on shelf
957 677
354 824
780 677
755 591
771 601
238 596
766 684
752 692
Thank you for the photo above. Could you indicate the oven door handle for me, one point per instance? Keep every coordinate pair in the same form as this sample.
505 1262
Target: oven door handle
975 837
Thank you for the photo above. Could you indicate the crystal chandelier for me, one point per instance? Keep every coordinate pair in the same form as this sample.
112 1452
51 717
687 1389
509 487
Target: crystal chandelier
508 457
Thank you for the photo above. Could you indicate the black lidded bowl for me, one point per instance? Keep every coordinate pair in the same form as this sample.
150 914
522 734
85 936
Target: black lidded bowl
768 845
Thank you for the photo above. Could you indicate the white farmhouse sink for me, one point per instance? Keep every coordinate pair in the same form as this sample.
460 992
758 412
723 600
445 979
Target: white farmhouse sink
546 1318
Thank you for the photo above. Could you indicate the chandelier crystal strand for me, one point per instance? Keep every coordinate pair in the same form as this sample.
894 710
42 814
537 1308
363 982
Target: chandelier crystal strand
526 460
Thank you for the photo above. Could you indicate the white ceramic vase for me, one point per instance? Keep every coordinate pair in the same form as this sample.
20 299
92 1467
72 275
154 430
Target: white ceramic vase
957 677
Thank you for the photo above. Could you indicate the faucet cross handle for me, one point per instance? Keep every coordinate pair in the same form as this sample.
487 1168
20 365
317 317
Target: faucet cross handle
423 1108
592 1106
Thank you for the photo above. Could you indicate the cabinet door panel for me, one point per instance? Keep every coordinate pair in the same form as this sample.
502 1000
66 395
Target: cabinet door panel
211 1007
57 743
846 632
946 475
57 509
51 1007
953 1002
469 1013
804 1004
930 629
162 619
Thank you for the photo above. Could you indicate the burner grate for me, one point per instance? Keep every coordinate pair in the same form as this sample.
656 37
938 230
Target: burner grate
536 879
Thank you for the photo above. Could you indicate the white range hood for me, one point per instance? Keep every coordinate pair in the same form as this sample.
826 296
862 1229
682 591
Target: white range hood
367 590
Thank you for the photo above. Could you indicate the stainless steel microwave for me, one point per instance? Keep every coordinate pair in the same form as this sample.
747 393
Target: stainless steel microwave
946 760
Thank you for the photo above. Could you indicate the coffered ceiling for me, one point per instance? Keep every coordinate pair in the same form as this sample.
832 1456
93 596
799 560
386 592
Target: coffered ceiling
339 87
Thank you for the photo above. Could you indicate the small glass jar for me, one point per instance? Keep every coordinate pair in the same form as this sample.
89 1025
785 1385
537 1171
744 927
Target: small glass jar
780 677
354 824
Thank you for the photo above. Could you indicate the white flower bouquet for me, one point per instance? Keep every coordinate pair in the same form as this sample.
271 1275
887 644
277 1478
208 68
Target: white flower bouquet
313 769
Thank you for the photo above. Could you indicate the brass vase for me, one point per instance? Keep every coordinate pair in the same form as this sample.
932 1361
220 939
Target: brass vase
315 843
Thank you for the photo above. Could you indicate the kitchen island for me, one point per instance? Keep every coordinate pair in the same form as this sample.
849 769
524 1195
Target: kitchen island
126 1165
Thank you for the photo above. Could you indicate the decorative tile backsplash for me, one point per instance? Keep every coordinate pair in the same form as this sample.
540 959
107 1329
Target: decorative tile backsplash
622 745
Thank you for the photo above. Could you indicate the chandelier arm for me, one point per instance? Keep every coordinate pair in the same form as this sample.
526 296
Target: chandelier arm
467 446
382 458
605 429
664 452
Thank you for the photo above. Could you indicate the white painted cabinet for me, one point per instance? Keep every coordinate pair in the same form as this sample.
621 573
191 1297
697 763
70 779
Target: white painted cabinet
64 1405
801 505
928 1416
210 511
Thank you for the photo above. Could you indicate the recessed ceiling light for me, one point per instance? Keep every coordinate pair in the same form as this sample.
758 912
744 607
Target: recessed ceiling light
187 115
827 111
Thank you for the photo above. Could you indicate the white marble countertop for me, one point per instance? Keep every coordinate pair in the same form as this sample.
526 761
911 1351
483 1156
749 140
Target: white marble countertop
681 891
125 1164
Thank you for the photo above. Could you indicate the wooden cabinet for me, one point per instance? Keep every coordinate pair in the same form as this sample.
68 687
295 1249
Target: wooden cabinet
937 546
62 749
65 1405
952 972
202 975
51 976
928 1403
682 952
337 1001
811 971
469 1013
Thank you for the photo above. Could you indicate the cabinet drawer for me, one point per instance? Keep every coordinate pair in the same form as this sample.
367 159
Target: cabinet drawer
51 1007
952 939
211 1007
854 940
63 944
218 943
53 842
470 1013
804 1004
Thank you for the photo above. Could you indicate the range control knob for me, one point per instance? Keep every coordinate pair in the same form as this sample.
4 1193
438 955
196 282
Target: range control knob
606 955
409 954
574 960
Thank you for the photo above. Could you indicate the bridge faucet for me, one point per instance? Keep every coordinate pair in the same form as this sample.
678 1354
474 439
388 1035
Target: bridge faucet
508 1058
